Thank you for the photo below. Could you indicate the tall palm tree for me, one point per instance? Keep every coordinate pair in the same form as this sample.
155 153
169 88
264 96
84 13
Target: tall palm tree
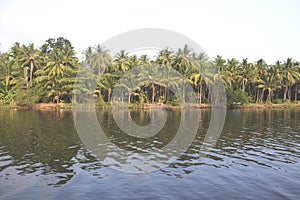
291 74
220 63
244 71
30 58
296 90
55 67
201 74
165 57
59 65
107 82
121 61
277 69
134 61
183 64
152 76
261 70
6 70
100 59
269 82
88 52
16 54
69 57
144 59
233 72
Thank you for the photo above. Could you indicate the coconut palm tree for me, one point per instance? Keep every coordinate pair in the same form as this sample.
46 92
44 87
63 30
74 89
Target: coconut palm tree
291 74
269 82
107 82
201 74
30 57
16 54
165 57
121 61
69 57
261 70
6 70
183 64
88 52
100 59
153 76
134 61
57 73
55 67
296 90
144 59
220 63
245 69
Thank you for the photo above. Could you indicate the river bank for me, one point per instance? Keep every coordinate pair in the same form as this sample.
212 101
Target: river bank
51 106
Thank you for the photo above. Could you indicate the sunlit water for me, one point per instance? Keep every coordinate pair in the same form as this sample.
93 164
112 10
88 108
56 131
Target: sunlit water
256 157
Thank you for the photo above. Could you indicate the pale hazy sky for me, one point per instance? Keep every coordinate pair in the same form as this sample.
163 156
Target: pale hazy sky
250 29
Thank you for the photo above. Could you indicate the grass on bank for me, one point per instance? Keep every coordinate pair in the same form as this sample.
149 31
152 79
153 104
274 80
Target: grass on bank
106 105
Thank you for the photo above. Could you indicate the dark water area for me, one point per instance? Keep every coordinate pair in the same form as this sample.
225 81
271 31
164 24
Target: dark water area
257 156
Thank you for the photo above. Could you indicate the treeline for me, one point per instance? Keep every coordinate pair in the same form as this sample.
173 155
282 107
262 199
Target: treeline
47 74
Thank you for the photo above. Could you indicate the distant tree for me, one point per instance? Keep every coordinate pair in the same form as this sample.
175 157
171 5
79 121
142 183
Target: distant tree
291 74
59 43
121 61
269 82
100 59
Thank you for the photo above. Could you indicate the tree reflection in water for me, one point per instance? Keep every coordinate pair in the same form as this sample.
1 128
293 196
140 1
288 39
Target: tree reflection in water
42 143
45 144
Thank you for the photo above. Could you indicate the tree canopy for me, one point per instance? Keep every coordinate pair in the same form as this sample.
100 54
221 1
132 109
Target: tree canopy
31 75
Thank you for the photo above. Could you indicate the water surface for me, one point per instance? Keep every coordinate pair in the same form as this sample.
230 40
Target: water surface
256 156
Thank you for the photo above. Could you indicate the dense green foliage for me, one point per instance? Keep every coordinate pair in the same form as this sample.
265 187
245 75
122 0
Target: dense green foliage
31 75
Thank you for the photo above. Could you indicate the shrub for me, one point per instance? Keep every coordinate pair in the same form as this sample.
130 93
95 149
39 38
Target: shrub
172 100
287 101
237 97
278 101
27 97
268 102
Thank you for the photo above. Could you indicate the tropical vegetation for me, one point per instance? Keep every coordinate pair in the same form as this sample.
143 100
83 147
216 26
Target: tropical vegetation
47 74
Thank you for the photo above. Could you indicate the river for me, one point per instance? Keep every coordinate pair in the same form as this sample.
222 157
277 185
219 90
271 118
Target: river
257 156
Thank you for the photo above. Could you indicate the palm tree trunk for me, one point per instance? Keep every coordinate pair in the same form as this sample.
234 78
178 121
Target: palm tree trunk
129 96
25 76
183 91
7 82
73 99
100 95
165 93
153 92
200 92
261 96
269 95
147 89
285 91
243 85
31 72
250 90
108 94
257 95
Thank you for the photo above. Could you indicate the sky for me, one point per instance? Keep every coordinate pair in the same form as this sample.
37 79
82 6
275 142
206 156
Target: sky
253 29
